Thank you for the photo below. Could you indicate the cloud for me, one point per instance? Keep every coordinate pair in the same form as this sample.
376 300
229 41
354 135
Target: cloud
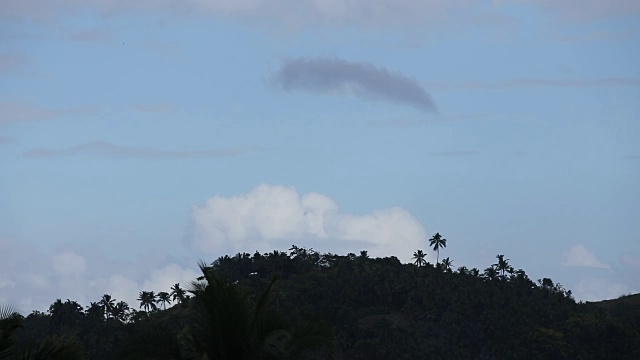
272 217
68 264
579 255
528 83
105 149
596 289
167 276
32 279
12 112
333 75
290 13
298 14
581 10
155 108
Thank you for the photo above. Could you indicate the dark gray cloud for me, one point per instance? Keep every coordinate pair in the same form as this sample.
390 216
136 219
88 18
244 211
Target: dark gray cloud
326 75
105 149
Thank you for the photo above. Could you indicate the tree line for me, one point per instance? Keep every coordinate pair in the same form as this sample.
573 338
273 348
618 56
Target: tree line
300 304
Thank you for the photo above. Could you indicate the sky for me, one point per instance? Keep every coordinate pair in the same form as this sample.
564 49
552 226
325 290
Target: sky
138 137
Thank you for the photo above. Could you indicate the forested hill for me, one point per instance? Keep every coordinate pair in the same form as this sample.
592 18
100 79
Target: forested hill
302 304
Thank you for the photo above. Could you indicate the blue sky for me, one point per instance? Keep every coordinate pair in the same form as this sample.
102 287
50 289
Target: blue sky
138 137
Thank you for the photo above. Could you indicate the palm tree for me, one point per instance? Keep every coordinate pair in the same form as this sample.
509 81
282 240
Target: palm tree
491 273
230 324
121 311
438 242
419 257
10 321
148 300
66 316
447 263
502 265
163 298
107 304
177 293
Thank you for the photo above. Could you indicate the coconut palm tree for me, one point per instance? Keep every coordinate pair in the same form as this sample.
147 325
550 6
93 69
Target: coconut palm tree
108 304
502 265
178 294
163 298
230 324
491 273
148 300
66 316
438 242
447 263
419 256
121 311
10 321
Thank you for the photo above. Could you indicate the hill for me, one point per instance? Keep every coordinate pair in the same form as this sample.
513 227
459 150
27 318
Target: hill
356 307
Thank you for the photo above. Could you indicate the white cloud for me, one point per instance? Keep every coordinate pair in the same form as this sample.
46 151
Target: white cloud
84 275
579 255
271 216
162 279
68 264
597 289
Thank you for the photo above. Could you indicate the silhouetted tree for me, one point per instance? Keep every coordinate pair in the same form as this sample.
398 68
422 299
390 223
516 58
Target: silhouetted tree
502 265
10 321
163 298
447 263
419 256
148 300
229 325
108 304
178 294
438 242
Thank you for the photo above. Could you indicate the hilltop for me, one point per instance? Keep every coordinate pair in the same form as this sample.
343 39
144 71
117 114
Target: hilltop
357 307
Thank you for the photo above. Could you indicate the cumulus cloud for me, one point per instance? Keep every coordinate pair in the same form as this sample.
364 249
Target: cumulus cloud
81 274
333 75
596 289
68 264
270 217
165 277
579 255
105 149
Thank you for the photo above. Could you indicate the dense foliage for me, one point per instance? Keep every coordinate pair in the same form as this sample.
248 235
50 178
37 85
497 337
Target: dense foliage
303 304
